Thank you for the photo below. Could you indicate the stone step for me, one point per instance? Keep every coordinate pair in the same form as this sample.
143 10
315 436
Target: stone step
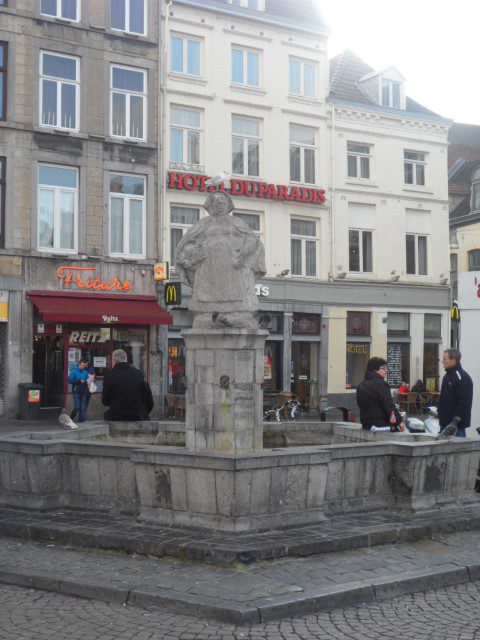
50 413
355 531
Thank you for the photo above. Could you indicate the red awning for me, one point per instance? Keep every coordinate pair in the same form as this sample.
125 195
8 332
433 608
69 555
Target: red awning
98 308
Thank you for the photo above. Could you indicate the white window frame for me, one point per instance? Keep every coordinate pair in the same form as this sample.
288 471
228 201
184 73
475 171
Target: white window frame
185 129
179 225
128 93
246 139
56 210
58 13
244 4
258 232
60 81
390 93
185 38
245 51
302 147
304 239
360 249
414 164
127 19
303 62
126 197
475 197
417 264
358 155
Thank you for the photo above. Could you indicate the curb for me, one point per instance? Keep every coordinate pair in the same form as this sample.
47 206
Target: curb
264 610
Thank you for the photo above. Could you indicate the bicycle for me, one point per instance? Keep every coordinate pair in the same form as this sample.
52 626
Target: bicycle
290 410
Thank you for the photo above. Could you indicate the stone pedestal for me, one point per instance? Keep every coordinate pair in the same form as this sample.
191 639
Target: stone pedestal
224 409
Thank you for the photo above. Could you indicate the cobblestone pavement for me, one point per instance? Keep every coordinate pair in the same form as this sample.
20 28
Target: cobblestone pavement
254 585
442 614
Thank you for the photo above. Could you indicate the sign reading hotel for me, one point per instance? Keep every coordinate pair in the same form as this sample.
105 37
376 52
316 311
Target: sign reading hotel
248 188
87 278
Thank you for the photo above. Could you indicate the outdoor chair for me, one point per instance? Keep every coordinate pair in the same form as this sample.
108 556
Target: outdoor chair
170 408
180 405
313 403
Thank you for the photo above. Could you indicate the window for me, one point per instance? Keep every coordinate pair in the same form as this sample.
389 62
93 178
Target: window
360 250
390 93
258 5
302 78
245 146
127 215
414 164
57 208
416 247
181 219
185 136
475 196
358 354
358 323
432 325
59 91
2 201
63 9
302 154
398 324
245 67
474 260
454 274
3 80
129 15
128 103
398 359
252 220
185 55
358 160
303 247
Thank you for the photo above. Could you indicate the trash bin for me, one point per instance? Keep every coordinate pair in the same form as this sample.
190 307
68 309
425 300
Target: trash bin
30 397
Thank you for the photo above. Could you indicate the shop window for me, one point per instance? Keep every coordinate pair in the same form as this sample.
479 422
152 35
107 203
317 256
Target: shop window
3 164
431 366
129 16
245 146
271 367
306 323
358 323
398 324
303 247
128 105
63 9
176 366
59 91
302 154
185 131
398 358
57 208
275 324
433 325
134 341
185 55
181 219
127 215
3 80
358 354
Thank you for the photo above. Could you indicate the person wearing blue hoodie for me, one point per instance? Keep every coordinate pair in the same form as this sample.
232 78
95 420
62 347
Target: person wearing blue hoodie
78 379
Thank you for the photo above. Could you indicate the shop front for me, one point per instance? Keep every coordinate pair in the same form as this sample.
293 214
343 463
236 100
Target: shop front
69 326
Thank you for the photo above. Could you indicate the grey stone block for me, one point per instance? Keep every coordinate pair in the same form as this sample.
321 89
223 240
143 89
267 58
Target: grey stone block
18 473
201 492
317 483
225 491
422 580
89 476
179 488
145 482
108 477
259 491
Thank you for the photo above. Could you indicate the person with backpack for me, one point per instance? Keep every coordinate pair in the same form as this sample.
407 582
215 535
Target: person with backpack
374 398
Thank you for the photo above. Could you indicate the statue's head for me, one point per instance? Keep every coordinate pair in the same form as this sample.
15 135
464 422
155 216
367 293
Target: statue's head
219 203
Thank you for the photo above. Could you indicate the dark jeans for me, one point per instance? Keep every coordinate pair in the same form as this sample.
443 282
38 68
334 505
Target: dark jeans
80 402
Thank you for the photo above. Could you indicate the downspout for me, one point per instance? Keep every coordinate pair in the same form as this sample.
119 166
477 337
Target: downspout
332 174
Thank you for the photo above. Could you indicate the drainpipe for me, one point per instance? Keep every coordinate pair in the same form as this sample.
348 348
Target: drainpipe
332 175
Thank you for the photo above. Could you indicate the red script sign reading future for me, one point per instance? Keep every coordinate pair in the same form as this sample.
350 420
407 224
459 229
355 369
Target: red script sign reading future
248 188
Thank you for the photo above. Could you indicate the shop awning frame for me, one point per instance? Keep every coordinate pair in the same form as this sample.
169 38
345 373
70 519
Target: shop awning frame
96 308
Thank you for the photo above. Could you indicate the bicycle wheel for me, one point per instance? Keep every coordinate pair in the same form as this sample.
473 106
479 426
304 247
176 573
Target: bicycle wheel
300 414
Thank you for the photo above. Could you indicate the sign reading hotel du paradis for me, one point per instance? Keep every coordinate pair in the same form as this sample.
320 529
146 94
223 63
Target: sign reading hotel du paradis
248 188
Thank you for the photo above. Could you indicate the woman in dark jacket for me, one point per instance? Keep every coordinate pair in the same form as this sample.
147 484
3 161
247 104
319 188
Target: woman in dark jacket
374 397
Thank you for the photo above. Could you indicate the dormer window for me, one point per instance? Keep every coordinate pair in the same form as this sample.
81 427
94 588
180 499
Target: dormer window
475 204
391 91
257 5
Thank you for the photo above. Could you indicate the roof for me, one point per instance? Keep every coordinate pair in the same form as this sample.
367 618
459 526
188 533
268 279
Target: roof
346 69
294 13
465 134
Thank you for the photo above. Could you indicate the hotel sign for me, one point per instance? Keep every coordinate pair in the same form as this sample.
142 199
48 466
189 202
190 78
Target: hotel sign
248 188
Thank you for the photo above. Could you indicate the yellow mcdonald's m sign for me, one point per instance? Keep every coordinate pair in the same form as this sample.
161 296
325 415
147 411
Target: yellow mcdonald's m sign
173 293
455 312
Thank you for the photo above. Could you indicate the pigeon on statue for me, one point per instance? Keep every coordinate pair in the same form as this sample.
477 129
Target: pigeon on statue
221 319
217 180
450 430
66 421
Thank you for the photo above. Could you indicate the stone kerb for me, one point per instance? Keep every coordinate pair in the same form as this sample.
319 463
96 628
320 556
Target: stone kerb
224 400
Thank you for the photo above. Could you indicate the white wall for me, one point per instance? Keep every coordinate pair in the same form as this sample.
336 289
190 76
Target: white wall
469 304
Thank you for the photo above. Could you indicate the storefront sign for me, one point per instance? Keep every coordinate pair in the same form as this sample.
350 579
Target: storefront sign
88 337
58 328
358 323
455 312
262 290
87 278
34 395
99 361
161 271
173 293
248 188
357 348
71 354
305 323
3 306
40 327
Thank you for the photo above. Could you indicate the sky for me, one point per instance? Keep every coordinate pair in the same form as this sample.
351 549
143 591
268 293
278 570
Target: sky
433 43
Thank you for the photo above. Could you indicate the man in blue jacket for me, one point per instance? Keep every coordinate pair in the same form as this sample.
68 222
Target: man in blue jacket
456 394
78 379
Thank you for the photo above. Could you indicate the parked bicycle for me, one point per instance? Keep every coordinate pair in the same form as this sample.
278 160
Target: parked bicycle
291 409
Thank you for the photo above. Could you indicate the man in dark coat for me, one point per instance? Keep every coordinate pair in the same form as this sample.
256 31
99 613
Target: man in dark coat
125 391
374 397
456 394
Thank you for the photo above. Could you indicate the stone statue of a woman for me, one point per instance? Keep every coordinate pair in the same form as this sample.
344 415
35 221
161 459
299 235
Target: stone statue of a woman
221 258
